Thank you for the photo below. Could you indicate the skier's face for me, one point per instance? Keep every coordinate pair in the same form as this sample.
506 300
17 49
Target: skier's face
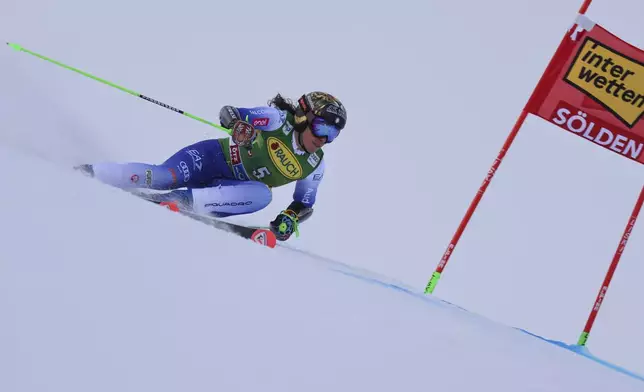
312 143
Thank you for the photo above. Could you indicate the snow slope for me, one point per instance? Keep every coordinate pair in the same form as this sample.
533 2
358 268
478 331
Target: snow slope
101 291
422 118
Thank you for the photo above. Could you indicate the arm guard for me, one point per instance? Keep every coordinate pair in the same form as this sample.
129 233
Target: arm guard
228 115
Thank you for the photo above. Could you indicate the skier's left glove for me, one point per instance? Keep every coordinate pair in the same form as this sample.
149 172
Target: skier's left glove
285 224
243 133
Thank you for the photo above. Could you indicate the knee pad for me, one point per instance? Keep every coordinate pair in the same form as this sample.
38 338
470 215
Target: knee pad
231 197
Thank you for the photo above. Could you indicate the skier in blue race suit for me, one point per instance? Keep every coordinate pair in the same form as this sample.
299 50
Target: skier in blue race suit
270 146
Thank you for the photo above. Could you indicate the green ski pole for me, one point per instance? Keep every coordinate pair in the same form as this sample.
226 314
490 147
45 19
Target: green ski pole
21 49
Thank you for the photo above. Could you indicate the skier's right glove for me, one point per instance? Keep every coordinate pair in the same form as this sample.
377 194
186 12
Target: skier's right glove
284 225
243 133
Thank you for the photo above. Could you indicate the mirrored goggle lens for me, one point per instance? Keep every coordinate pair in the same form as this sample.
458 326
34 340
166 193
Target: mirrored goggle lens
321 129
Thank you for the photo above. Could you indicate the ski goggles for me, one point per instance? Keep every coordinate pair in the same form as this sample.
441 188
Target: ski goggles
321 128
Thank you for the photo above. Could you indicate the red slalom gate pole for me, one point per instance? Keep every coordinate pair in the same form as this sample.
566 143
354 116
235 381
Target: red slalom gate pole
479 195
584 7
611 270
433 281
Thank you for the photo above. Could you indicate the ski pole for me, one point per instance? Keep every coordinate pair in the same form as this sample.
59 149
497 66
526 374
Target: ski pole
131 92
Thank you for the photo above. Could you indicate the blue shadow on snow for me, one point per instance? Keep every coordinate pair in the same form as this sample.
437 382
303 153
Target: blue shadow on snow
369 277
581 350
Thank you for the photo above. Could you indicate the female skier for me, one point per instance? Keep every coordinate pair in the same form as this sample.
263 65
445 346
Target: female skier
269 146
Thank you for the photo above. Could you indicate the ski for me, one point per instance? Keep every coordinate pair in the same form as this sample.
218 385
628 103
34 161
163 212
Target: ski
260 236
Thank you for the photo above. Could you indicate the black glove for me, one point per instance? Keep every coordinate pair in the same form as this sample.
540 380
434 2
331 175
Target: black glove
284 225
243 133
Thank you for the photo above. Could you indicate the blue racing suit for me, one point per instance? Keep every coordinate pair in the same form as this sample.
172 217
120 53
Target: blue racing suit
202 175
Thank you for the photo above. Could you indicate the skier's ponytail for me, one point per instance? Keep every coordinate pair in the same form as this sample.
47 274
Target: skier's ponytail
282 103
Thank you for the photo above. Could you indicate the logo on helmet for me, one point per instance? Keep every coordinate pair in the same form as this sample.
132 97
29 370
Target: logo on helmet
337 110
283 159
321 96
